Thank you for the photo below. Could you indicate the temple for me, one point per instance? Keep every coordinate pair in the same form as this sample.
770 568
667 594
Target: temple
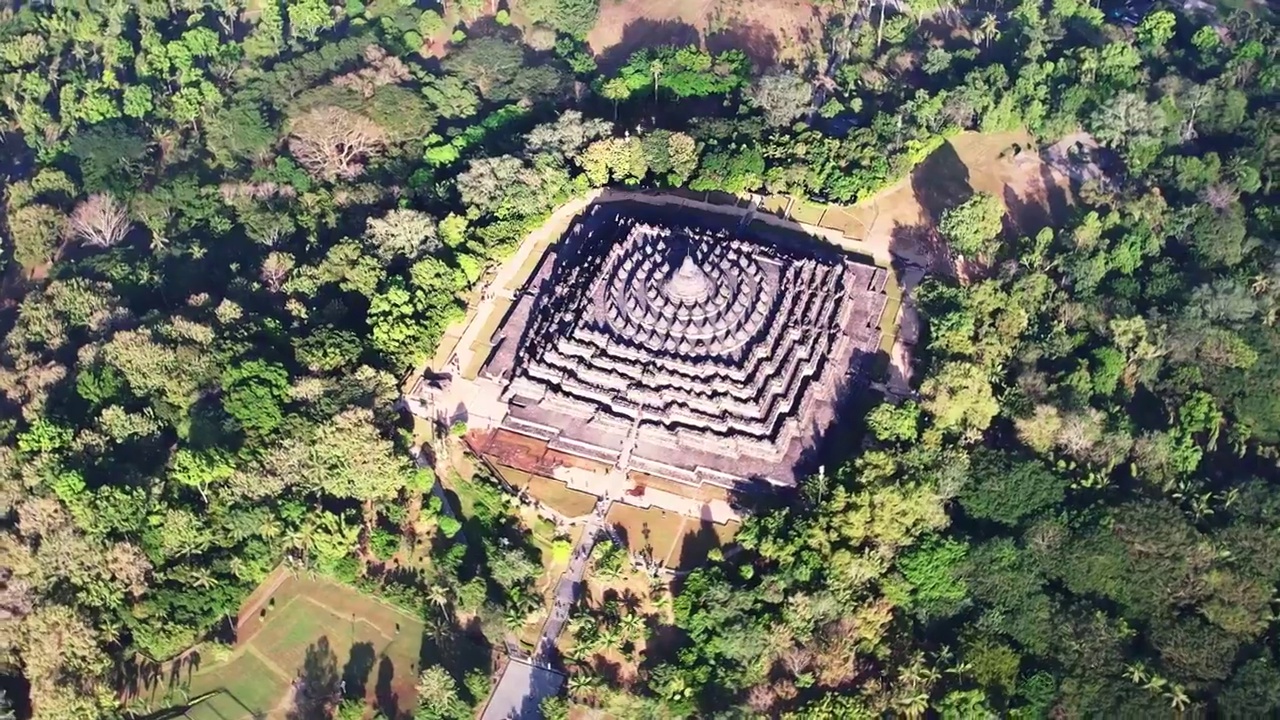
677 345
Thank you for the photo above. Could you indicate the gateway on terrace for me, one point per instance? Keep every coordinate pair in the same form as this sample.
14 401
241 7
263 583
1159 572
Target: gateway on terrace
675 345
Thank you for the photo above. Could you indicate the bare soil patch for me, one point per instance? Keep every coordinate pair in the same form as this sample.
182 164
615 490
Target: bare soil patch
903 217
768 31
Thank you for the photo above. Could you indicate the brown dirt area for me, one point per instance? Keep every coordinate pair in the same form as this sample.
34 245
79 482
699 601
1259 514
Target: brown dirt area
768 31
677 542
903 216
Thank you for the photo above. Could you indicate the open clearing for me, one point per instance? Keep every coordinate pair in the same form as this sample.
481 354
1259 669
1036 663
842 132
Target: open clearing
768 31
900 221
902 217
676 541
321 631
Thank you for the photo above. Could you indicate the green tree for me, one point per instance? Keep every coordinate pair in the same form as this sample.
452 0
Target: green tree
571 17
1007 489
783 96
1157 29
933 585
973 226
254 394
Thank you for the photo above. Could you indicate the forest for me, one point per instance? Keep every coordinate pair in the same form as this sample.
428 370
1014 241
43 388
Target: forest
230 228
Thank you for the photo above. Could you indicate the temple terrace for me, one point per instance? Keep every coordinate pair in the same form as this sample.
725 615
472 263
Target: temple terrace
675 347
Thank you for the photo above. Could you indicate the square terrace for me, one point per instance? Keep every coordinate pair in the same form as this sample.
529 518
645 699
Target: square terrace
681 345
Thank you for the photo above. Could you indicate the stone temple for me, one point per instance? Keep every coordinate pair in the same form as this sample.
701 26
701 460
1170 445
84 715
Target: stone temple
675 345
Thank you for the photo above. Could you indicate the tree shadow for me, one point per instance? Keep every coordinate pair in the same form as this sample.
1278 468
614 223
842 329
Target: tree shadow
355 674
643 33
459 649
1046 204
388 701
917 247
316 686
610 672
696 546
623 535
941 182
759 43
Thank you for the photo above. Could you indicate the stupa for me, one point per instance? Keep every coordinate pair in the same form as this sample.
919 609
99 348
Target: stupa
681 346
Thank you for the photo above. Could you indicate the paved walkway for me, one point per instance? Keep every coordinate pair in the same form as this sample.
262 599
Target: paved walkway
570 583
527 680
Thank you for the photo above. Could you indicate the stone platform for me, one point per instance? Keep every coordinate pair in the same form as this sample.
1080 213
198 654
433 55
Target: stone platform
678 345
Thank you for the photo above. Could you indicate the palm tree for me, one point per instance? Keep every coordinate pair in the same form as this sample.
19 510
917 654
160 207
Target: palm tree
988 29
1137 672
578 654
1177 696
584 685
201 578
611 637
1155 683
439 596
515 618
616 90
913 706
655 69
632 626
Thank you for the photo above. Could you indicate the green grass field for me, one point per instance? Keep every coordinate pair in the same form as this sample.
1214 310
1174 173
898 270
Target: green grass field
319 630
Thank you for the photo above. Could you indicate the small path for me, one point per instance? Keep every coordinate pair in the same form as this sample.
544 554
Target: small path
567 589
437 488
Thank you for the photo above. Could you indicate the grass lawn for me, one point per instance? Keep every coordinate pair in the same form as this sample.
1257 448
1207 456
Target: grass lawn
697 539
560 497
678 542
248 686
659 529
320 630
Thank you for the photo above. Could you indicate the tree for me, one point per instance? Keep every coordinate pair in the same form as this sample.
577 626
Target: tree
973 226
1007 490
567 136
934 584
401 233
783 96
36 230
615 90
988 29
308 18
895 422
496 68
1156 29
238 134
571 17
959 396
333 143
345 457
1129 123
450 96
275 270
99 221
254 394
438 696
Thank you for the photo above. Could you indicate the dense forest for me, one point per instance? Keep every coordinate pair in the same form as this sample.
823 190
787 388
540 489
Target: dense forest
231 227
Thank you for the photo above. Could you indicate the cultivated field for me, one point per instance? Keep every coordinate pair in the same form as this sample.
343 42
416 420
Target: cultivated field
325 633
